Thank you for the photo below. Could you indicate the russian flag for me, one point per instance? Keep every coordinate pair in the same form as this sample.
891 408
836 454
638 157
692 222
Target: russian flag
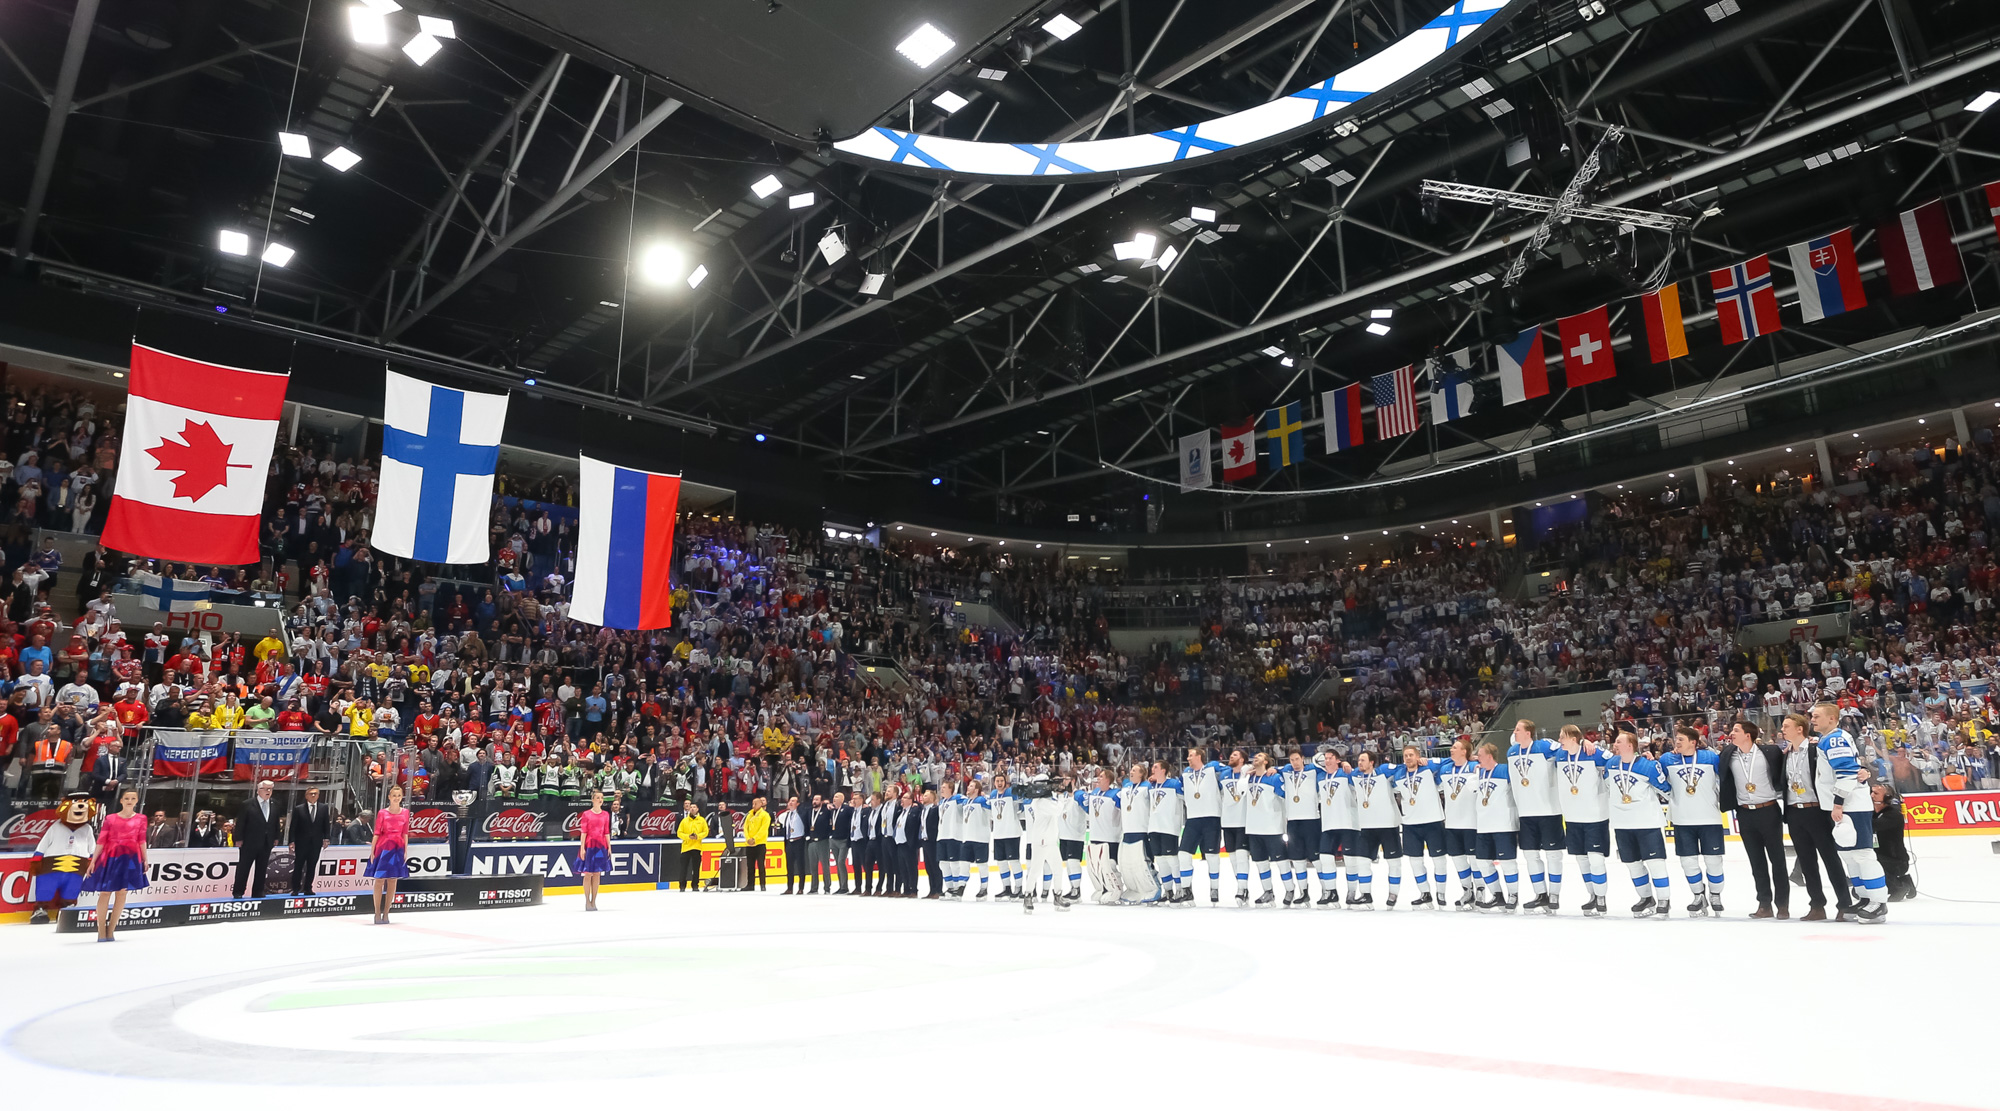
624 546
1829 282
1343 418
1524 368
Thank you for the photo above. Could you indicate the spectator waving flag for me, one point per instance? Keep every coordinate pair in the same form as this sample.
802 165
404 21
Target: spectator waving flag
1745 303
624 546
1829 281
439 450
198 448
1918 251
1395 397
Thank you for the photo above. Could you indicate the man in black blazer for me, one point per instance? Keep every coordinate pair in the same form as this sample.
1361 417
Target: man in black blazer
1752 784
930 843
888 820
1810 821
310 831
862 844
913 841
105 777
843 833
256 832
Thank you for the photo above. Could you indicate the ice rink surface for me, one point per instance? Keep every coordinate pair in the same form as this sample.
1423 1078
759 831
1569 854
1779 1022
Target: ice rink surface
726 997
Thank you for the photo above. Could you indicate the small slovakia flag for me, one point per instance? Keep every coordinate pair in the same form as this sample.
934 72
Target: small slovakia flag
624 546
1829 281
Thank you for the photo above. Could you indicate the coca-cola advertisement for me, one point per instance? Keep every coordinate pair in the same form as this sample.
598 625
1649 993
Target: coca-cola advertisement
572 826
511 823
430 823
24 829
660 822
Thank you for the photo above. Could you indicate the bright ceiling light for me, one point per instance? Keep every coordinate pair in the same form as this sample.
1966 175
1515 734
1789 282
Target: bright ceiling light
233 242
799 200
766 186
1062 26
342 159
871 284
1168 256
1381 314
1378 329
383 6
367 26
925 45
277 254
1201 215
1274 351
436 27
832 247
661 264
422 48
700 275
949 101
1140 246
294 146
1983 101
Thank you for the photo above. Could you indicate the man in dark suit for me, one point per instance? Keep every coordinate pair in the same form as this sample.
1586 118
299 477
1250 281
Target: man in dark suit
819 844
888 826
310 831
929 843
1810 821
913 840
256 833
1752 782
107 775
862 844
843 833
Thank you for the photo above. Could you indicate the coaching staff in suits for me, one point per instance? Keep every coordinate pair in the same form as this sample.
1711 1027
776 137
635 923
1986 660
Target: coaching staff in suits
256 833
310 831
1752 783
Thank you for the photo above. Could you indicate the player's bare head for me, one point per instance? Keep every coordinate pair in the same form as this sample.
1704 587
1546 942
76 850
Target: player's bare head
1261 761
1365 761
1826 716
1461 750
1413 756
1524 730
1138 772
1686 741
1297 758
1196 757
1626 743
1104 778
1235 757
1794 727
1491 750
1570 733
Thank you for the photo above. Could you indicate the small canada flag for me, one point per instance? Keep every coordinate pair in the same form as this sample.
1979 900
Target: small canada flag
1239 451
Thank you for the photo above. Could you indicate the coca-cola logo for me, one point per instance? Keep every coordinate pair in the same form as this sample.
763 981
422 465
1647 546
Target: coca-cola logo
573 824
658 823
512 823
430 822
27 829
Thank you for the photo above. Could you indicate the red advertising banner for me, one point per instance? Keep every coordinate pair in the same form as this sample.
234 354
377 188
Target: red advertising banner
1952 812
22 830
16 889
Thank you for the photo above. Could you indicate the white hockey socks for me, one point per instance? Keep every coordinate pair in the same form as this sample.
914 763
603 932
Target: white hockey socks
1713 867
1594 875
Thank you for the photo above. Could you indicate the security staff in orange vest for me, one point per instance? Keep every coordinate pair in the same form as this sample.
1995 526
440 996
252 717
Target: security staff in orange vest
50 763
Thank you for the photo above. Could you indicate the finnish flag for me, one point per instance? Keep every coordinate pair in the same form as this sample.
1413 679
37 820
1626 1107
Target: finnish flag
439 450
1451 393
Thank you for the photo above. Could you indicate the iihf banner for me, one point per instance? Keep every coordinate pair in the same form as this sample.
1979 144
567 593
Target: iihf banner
179 754
273 756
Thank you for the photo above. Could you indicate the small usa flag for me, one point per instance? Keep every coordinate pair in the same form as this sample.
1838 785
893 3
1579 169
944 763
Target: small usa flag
1395 397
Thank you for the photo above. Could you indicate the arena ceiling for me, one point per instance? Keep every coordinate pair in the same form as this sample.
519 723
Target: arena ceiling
504 184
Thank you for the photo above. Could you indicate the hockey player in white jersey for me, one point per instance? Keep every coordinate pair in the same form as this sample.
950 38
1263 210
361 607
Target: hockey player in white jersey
1301 787
1163 834
1235 843
1694 802
975 830
1837 780
1264 822
1637 790
1458 777
1071 824
1379 831
1531 759
1337 828
1422 803
1201 793
1040 813
951 817
1496 847
1582 791
1136 879
1106 833
1006 837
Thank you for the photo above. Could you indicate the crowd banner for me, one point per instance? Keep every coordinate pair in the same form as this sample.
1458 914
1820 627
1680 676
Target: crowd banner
1952 812
274 756
634 864
182 754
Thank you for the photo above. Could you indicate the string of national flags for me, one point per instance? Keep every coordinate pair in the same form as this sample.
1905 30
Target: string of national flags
1918 253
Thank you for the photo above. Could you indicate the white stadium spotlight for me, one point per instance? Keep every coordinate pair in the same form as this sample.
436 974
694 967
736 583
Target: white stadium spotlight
832 247
436 27
233 242
950 101
1201 215
800 200
367 26
294 145
1983 101
342 159
1378 329
765 186
700 274
1062 26
661 264
1139 246
277 254
422 48
925 45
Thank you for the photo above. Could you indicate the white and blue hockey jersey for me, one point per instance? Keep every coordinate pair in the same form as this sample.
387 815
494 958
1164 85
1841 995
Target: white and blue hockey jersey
1461 794
1534 777
1694 788
1496 801
1375 799
1106 813
1417 792
1264 810
1301 793
1580 785
1168 808
1636 789
1201 789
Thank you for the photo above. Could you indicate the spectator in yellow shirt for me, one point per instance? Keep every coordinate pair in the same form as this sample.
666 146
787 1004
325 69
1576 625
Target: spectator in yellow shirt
756 834
693 831
268 647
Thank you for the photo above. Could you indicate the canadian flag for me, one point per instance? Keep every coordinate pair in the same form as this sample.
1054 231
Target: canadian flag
1239 451
198 441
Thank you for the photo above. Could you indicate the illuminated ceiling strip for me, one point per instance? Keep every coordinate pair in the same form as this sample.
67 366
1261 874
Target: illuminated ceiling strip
1211 138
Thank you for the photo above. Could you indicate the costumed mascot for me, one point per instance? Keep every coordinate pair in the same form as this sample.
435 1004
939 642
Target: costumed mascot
62 857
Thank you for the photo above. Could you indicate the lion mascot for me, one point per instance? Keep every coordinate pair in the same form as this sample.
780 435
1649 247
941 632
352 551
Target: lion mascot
63 856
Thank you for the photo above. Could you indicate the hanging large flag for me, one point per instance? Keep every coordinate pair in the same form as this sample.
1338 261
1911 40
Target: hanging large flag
1829 281
1343 418
169 595
1993 204
1239 451
439 450
1395 403
1586 347
1284 434
1195 474
198 440
185 754
1918 251
1745 303
624 546
1451 395
1524 369
1666 333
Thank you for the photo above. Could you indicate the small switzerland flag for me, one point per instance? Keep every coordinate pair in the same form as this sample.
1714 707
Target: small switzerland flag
1586 347
1239 451
198 441
1666 335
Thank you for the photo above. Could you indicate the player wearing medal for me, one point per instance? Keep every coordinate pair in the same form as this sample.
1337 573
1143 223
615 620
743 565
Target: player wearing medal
1163 834
1338 828
1071 822
1694 802
1006 837
1301 806
1531 759
1837 781
1586 813
950 811
1264 822
1235 797
1458 777
1497 845
1040 816
1135 866
1638 823
1422 804
1379 830
975 828
1106 830
1201 792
